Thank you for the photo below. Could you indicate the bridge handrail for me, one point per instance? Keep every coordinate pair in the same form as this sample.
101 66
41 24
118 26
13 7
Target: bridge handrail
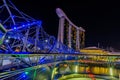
38 53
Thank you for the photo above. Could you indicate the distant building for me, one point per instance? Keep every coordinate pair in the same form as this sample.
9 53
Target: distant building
93 50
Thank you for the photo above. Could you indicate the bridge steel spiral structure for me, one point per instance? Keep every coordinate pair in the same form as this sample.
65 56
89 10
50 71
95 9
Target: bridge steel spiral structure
22 33
23 42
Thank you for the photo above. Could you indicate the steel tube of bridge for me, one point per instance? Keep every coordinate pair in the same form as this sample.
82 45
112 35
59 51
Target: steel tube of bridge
37 37
25 40
9 12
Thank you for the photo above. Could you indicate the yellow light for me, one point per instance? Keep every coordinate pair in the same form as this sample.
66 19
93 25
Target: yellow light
53 73
89 51
111 71
76 69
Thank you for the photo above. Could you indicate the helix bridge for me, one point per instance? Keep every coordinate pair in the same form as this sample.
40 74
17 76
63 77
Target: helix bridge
27 52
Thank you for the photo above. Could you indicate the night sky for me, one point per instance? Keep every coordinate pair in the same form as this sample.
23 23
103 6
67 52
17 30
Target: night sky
100 19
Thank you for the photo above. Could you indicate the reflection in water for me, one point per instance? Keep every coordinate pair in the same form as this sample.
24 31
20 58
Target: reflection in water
91 70
83 79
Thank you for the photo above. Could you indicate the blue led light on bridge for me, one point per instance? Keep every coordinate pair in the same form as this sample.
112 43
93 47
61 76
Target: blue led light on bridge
23 25
39 23
9 37
7 41
24 76
28 24
15 28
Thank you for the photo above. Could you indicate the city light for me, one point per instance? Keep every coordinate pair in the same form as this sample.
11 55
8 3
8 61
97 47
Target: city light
76 68
111 71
